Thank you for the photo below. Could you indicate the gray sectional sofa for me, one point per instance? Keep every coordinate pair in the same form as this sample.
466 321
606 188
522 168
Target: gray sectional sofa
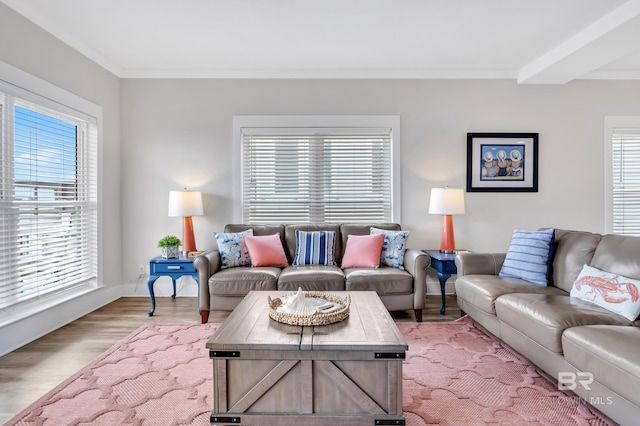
399 289
595 352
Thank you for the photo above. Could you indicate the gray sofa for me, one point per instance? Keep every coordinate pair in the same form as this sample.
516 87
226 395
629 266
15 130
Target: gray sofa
564 336
223 289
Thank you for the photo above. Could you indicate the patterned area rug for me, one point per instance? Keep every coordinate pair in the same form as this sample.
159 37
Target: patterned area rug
454 374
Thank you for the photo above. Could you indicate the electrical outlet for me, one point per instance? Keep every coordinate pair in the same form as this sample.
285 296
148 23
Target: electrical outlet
141 269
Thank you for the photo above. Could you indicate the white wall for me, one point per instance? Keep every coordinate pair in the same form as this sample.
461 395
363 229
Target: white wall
179 133
32 50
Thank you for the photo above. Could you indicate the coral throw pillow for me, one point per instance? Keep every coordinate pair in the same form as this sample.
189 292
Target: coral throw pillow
363 251
615 293
266 250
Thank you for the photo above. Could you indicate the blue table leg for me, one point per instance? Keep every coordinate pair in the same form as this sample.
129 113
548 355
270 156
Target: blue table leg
443 279
173 296
152 279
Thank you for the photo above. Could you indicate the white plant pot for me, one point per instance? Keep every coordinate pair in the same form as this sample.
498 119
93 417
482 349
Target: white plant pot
170 252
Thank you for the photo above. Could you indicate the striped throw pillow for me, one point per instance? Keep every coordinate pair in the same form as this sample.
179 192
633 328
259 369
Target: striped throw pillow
529 255
314 248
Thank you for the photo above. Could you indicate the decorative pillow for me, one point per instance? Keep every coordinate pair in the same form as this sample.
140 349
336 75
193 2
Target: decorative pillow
615 293
529 255
232 248
363 251
266 250
314 248
393 247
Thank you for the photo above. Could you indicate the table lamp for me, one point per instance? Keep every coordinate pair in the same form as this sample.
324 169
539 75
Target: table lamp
447 201
186 204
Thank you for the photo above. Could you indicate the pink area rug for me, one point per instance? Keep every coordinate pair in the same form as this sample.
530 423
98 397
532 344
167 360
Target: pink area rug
454 374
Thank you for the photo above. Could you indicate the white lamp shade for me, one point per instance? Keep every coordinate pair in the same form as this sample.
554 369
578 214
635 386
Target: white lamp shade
185 203
446 201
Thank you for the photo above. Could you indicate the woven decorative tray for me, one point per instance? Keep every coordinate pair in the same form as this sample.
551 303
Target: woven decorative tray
316 318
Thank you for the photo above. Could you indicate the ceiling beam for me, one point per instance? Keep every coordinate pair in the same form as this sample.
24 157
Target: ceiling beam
611 37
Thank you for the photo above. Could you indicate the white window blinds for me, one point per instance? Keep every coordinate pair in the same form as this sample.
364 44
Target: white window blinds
625 155
48 198
316 175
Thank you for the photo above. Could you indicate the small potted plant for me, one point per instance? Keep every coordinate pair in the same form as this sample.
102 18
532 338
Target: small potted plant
170 245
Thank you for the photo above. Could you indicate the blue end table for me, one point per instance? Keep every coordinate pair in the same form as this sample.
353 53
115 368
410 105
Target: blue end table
174 268
445 264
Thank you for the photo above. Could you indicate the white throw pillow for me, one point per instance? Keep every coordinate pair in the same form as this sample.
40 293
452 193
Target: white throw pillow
615 293
393 247
233 250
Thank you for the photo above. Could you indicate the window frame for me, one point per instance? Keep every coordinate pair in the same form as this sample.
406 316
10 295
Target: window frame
31 89
610 124
241 122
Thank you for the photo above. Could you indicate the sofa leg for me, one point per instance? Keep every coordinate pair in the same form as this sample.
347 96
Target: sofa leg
204 317
418 314
462 313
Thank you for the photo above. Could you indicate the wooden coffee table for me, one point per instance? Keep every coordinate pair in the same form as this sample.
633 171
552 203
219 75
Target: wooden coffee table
269 373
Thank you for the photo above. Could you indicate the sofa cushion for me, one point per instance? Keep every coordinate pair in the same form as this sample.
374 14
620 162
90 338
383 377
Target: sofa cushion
362 251
266 250
482 291
608 352
618 254
384 280
528 256
393 247
241 280
314 248
232 248
573 250
543 317
616 293
311 278
257 229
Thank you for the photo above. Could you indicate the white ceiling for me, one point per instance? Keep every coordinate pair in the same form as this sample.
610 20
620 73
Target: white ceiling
533 41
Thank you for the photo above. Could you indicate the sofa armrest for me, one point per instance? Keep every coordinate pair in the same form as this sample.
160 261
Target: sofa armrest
416 262
479 263
207 264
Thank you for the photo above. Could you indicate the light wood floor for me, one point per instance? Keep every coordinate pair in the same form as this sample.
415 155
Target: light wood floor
29 372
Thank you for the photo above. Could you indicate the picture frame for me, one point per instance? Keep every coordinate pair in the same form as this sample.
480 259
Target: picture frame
502 162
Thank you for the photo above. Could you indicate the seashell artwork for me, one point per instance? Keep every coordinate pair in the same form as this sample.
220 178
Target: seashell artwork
296 304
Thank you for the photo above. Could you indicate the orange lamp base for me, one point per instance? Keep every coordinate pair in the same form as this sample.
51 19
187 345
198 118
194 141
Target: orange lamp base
188 240
447 242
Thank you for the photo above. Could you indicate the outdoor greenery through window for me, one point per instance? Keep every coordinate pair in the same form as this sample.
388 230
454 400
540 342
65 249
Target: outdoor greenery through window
303 175
48 199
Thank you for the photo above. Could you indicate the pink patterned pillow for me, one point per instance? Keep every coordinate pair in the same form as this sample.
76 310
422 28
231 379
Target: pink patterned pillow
266 250
363 251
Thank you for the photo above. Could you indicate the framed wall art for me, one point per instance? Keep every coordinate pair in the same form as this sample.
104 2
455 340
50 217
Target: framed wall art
502 162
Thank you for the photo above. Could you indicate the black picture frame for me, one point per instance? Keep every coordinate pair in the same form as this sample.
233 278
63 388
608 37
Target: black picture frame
502 162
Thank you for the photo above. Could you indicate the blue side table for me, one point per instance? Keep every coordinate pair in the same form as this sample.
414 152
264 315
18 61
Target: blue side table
445 264
174 268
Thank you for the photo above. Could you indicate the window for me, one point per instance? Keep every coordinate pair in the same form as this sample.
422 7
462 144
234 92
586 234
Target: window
48 198
331 174
623 175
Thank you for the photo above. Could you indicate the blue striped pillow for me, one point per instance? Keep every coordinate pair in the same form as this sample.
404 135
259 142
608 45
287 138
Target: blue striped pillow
529 255
314 248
